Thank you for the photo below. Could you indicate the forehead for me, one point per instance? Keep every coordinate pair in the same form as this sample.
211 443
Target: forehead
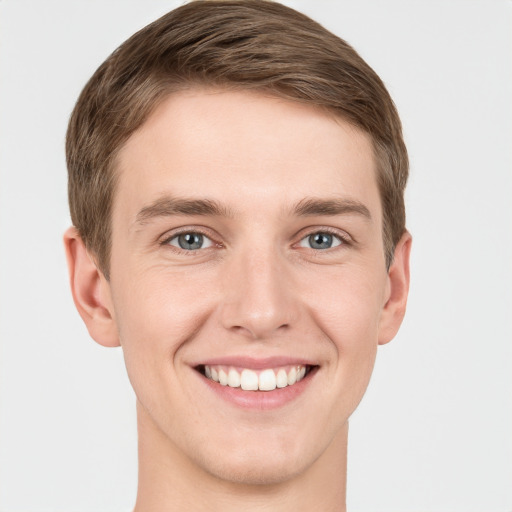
243 149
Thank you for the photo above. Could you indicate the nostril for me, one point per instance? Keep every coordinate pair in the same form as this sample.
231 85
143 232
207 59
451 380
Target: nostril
258 330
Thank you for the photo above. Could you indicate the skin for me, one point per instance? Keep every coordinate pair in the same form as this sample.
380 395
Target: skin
257 288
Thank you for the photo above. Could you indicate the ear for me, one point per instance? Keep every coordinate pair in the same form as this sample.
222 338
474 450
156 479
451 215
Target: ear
91 291
397 291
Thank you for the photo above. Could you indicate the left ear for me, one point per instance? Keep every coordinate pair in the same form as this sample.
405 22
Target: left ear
397 291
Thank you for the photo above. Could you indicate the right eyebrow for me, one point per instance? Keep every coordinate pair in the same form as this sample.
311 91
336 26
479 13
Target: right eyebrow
167 206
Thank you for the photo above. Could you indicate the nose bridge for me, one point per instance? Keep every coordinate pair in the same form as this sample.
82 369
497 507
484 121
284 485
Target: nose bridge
259 296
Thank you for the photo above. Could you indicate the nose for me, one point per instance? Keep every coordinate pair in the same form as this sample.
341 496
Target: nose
259 299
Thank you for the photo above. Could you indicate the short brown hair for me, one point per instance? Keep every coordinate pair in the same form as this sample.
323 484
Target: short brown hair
235 44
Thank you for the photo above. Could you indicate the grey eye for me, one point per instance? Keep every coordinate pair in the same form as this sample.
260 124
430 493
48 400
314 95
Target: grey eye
320 241
190 241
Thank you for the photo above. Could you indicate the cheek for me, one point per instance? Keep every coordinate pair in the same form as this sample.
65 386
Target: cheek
156 314
161 302
348 306
348 313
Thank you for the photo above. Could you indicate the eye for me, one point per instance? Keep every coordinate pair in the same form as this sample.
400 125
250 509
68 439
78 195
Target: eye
190 241
321 241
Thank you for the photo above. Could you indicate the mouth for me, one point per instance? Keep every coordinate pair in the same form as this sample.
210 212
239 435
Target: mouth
250 380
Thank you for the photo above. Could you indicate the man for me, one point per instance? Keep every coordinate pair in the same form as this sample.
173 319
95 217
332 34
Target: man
236 179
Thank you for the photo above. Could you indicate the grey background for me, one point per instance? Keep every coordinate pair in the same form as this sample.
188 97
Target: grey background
434 432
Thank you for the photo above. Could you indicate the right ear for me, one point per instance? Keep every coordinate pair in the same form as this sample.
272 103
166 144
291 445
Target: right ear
91 291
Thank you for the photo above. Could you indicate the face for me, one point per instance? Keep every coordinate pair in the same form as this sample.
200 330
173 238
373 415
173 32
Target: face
248 281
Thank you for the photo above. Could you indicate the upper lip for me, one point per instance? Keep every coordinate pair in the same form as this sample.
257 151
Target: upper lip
254 363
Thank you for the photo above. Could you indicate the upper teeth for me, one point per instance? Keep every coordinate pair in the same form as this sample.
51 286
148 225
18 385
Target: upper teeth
250 380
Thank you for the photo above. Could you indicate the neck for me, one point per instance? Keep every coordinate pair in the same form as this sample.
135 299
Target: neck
170 481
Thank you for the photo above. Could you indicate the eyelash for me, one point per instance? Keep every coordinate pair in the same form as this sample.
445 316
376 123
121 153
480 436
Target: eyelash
196 231
345 240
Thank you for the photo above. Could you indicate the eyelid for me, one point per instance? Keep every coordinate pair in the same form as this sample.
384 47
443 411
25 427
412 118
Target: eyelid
169 235
207 242
345 238
164 239
337 241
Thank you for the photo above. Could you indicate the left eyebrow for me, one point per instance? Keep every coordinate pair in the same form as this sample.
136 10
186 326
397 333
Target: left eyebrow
309 207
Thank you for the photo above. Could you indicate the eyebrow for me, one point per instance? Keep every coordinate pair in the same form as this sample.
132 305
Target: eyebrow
307 207
168 206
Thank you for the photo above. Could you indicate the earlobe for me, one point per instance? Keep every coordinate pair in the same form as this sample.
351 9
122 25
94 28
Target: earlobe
91 291
398 289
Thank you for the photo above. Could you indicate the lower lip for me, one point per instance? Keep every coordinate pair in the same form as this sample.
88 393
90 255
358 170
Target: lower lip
261 400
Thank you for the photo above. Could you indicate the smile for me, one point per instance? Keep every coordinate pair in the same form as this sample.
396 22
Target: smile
256 380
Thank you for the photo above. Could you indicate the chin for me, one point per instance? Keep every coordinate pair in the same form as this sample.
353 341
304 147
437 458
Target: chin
262 462
254 472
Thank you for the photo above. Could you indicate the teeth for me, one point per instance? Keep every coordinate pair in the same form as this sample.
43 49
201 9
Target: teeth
267 380
223 377
250 380
292 376
233 378
281 379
